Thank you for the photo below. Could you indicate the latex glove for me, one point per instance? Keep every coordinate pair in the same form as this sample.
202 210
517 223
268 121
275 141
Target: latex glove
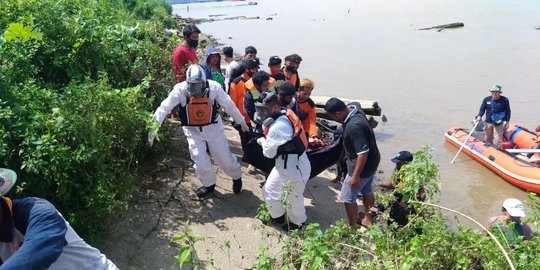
478 118
260 140
244 127
505 125
151 136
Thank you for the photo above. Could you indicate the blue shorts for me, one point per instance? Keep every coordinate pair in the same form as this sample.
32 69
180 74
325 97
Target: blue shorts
349 195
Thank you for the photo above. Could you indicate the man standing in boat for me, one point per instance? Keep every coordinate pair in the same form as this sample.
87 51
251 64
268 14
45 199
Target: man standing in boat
497 110
363 158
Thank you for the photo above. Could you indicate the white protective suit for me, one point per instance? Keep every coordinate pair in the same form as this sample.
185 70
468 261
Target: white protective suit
212 135
295 173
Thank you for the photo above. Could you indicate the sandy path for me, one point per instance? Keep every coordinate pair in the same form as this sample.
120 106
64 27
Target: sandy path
140 236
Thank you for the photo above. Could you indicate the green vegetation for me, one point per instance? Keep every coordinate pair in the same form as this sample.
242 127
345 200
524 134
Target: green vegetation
426 242
187 254
78 80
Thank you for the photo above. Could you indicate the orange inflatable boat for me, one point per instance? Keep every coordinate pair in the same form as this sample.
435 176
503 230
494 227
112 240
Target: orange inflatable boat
518 160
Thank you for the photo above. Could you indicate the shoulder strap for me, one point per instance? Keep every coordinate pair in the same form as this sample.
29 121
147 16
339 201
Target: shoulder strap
311 102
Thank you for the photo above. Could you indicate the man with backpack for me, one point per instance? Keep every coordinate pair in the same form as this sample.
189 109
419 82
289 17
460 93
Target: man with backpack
198 99
286 142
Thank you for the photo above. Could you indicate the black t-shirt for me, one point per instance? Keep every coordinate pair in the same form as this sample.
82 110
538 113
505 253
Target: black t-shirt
358 138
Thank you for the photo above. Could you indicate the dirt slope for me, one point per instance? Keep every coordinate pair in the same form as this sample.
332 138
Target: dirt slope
140 236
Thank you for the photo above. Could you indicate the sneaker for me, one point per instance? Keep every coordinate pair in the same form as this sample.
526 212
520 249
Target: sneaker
279 220
237 185
205 191
291 226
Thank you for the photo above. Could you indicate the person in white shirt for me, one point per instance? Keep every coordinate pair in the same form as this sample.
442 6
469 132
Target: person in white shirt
231 65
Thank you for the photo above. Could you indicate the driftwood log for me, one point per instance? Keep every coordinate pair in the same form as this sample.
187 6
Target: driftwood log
444 26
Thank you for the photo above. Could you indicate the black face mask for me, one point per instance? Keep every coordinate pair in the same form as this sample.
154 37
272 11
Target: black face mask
193 43
290 69
250 73
283 103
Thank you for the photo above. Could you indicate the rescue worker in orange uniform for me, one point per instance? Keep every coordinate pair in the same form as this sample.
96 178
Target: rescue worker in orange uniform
305 109
274 65
237 88
290 70
198 99
259 83
286 142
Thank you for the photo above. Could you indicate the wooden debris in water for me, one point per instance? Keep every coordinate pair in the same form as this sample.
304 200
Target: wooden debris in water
444 26
369 107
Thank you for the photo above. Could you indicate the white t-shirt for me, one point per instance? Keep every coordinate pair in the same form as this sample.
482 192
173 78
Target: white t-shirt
228 70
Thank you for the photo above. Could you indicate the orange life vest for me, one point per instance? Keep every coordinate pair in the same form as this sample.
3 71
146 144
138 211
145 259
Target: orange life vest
299 142
294 79
198 111
237 92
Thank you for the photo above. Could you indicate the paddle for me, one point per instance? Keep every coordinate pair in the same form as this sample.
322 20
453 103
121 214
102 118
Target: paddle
523 150
463 144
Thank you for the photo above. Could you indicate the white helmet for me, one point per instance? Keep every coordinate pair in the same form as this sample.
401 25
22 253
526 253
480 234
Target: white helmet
195 74
196 81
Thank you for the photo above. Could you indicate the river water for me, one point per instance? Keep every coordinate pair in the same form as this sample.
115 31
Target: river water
425 81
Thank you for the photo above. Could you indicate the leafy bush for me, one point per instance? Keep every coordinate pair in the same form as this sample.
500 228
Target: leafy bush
79 80
426 242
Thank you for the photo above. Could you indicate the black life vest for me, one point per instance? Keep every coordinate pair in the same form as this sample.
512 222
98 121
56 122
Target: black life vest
198 111
299 142
296 108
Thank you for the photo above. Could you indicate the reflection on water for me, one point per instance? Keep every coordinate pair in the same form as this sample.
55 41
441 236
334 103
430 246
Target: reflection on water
425 81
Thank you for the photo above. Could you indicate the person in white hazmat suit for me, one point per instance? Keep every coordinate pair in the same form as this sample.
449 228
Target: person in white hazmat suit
198 100
285 141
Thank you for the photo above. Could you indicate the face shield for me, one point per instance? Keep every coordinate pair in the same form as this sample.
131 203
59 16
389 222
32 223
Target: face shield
196 81
197 90
265 109
261 113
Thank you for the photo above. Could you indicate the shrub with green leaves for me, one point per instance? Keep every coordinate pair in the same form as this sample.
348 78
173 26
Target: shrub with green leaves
426 242
78 81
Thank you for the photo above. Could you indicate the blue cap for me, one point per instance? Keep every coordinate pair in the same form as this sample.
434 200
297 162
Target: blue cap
403 156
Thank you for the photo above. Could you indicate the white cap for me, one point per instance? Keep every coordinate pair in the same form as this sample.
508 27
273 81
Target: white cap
514 207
